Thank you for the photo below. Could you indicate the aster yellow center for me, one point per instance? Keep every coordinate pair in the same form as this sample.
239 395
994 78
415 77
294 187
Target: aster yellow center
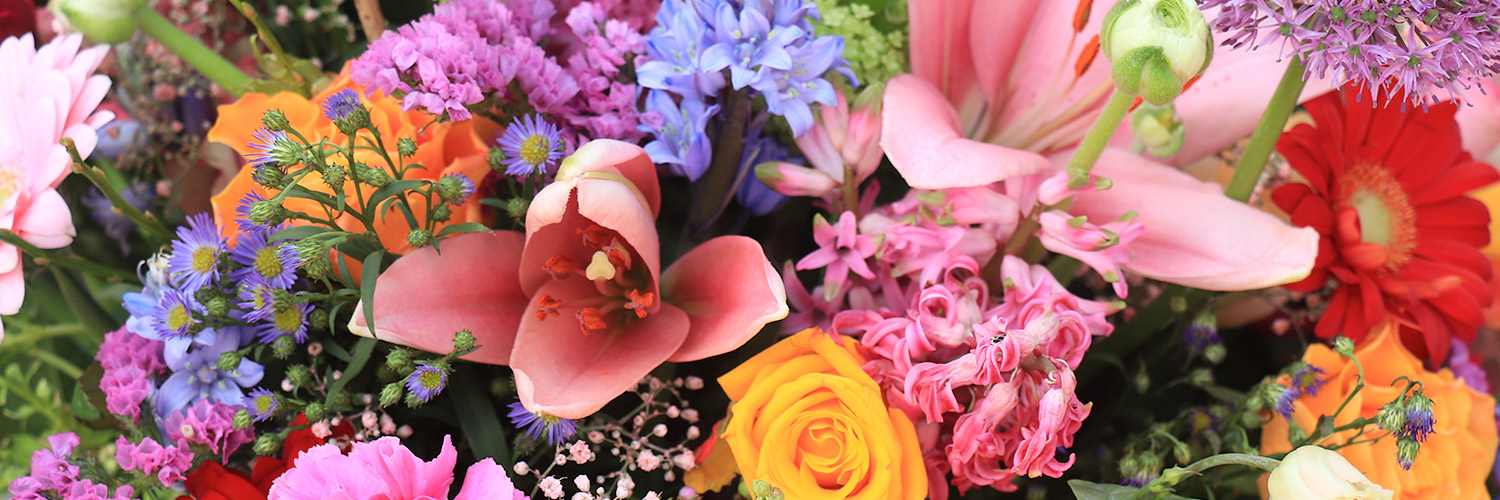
1386 217
264 403
268 262
204 259
534 150
178 317
289 319
430 379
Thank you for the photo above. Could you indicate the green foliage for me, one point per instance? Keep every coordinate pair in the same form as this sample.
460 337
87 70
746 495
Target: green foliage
874 34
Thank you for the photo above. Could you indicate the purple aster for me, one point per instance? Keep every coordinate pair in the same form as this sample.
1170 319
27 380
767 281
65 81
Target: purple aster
286 319
196 375
1308 379
341 104
1199 335
261 404
426 382
265 147
1284 401
531 145
176 314
674 51
257 298
747 44
681 141
554 429
274 261
1419 424
195 253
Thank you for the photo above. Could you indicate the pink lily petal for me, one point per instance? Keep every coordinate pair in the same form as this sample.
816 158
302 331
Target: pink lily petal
560 211
997 40
564 373
940 50
627 160
47 222
1479 122
920 134
1057 79
1195 236
728 290
426 297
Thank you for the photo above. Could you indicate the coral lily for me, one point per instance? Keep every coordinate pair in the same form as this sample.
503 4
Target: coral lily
1386 187
578 306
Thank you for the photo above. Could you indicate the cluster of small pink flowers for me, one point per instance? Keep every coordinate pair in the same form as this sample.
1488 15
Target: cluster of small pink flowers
53 476
463 57
210 424
982 364
129 361
169 463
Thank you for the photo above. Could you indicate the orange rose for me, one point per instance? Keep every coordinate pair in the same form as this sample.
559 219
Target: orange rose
1456 458
808 420
442 148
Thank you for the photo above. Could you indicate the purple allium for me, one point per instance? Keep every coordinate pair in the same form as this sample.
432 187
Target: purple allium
287 319
169 463
176 314
341 104
1428 51
138 194
265 147
426 382
196 375
261 404
748 45
210 424
675 49
195 253
681 141
531 145
555 430
274 261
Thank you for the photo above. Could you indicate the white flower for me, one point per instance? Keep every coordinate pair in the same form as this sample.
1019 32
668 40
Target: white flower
1315 473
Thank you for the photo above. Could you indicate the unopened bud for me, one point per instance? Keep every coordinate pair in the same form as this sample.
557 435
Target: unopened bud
1215 353
517 208
314 411
463 341
282 347
442 213
230 361
407 147
397 360
313 254
1158 128
318 320
390 394
334 175
300 375
266 444
1344 346
242 420
1406 452
269 176
1155 47
216 307
418 238
266 213
103 21
1201 377
275 121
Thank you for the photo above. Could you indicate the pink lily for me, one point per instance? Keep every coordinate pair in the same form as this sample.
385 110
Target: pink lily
579 308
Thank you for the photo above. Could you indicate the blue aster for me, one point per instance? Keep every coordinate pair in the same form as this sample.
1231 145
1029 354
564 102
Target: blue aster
681 141
195 253
274 261
426 382
554 429
341 104
176 314
261 404
286 319
257 298
265 146
531 145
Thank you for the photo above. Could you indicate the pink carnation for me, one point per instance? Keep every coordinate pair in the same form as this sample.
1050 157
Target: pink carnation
386 470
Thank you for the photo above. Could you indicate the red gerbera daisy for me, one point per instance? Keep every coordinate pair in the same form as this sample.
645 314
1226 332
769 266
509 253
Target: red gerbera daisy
1386 187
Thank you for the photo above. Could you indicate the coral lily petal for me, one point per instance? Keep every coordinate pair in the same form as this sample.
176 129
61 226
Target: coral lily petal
729 291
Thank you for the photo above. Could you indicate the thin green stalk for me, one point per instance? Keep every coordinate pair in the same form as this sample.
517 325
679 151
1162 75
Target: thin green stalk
49 258
147 222
197 55
1272 122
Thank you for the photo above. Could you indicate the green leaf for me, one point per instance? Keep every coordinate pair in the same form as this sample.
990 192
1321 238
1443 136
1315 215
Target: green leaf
466 227
1084 490
298 232
477 416
367 287
84 308
392 188
82 408
362 351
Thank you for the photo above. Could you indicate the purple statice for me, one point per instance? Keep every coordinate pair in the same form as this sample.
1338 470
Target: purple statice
682 141
553 430
1420 51
531 146
261 404
195 253
746 43
116 225
604 107
341 104
442 67
128 361
426 382
169 463
1463 366
210 424
196 375
549 87
674 52
755 195
275 262
50 469
265 147
495 21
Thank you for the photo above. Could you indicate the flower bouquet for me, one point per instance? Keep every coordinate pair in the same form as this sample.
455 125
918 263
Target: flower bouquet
758 249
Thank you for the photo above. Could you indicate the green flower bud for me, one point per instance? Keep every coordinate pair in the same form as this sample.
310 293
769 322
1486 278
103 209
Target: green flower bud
216 307
288 152
266 444
1215 353
230 361
357 120
1149 463
1142 381
1158 128
407 147
269 176
376 177
314 256
463 340
333 176
275 121
418 238
103 21
1155 47
762 490
1406 452
517 208
450 189
299 375
318 319
497 160
398 359
282 347
1201 377
314 411
266 213
1344 346
242 419
442 213
390 394
1182 453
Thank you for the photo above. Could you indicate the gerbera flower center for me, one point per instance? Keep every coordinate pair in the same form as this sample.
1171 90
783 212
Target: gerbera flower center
1386 217
535 149
204 259
268 261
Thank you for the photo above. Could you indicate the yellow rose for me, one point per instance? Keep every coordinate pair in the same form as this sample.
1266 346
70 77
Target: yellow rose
808 420
1456 458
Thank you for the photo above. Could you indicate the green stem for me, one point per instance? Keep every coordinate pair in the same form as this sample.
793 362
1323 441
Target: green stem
199 56
1257 461
48 258
145 221
1272 122
1100 133
717 185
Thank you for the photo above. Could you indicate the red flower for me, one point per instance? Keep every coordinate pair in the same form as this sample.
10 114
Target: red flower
1386 188
17 17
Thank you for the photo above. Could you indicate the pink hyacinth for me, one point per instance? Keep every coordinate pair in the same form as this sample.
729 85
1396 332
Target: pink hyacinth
46 94
842 250
386 470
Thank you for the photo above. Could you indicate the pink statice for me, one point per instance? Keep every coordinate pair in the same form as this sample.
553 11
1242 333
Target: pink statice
46 94
385 469
442 67
210 424
169 463
129 361
53 476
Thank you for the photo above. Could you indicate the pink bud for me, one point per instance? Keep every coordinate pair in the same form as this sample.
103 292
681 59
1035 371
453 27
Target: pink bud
792 180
